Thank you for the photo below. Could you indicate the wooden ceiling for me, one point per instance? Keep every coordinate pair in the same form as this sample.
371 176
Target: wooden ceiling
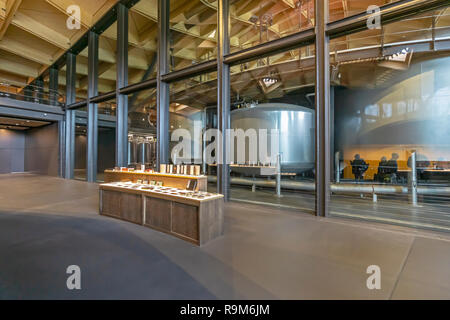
33 34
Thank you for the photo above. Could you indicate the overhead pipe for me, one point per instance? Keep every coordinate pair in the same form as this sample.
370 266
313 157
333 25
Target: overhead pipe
338 187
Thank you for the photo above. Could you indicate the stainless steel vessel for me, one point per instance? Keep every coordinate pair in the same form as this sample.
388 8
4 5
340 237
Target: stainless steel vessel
295 125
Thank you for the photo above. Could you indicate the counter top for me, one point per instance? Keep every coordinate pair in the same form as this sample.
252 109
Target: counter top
167 193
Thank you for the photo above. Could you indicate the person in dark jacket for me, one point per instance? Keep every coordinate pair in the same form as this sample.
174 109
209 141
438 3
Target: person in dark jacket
393 168
382 168
359 167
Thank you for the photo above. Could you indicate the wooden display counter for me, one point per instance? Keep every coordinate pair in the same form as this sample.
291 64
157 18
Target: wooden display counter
171 180
195 220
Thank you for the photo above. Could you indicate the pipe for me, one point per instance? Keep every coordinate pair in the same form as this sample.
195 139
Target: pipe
336 166
339 188
278 187
414 178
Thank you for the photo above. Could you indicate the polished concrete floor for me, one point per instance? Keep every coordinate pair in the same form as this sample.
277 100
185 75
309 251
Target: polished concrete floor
47 224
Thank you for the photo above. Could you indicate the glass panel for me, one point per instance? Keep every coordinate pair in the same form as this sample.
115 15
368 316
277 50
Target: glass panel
255 22
107 47
391 96
340 9
81 83
80 151
273 111
142 41
193 110
106 137
193 32
142 129
107 108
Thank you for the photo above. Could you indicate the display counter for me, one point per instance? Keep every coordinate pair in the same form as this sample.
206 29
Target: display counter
179 181
194 216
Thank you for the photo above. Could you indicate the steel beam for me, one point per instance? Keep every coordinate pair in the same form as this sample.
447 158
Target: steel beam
191 71
270 48
92 125
163 94
323 138
122 81
133 88
69 148
223 95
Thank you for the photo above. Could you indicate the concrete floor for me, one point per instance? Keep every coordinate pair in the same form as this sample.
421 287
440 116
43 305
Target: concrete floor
47 224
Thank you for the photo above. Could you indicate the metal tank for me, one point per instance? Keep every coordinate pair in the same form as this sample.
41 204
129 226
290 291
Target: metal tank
150 152
296 127
132 151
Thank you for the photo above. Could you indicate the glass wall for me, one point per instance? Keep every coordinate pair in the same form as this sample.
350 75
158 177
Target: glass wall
81 82
107 65
256 22
273 118
340 9
193 110
80 149
142 124
391 93
193 32
142 41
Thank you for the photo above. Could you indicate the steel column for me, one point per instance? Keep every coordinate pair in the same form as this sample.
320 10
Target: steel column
163 94
53 86
323 138
69 150
122 81
92 122
223 95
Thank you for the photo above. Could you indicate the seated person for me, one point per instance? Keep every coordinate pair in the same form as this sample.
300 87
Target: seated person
359 167
382 167
392 166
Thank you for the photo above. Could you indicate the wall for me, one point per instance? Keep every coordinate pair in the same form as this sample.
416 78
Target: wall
42 150
80 151
106 149
12 151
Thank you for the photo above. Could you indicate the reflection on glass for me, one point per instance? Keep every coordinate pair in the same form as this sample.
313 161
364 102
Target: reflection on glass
142 41
81 82
80 151
391 105
193 32
107 65
273 100
193 110
256 22
142 129
340 9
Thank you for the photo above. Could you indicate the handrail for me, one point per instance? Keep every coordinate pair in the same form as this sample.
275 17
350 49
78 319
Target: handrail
32 93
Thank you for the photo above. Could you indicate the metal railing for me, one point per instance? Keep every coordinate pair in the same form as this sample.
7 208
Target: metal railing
32 93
